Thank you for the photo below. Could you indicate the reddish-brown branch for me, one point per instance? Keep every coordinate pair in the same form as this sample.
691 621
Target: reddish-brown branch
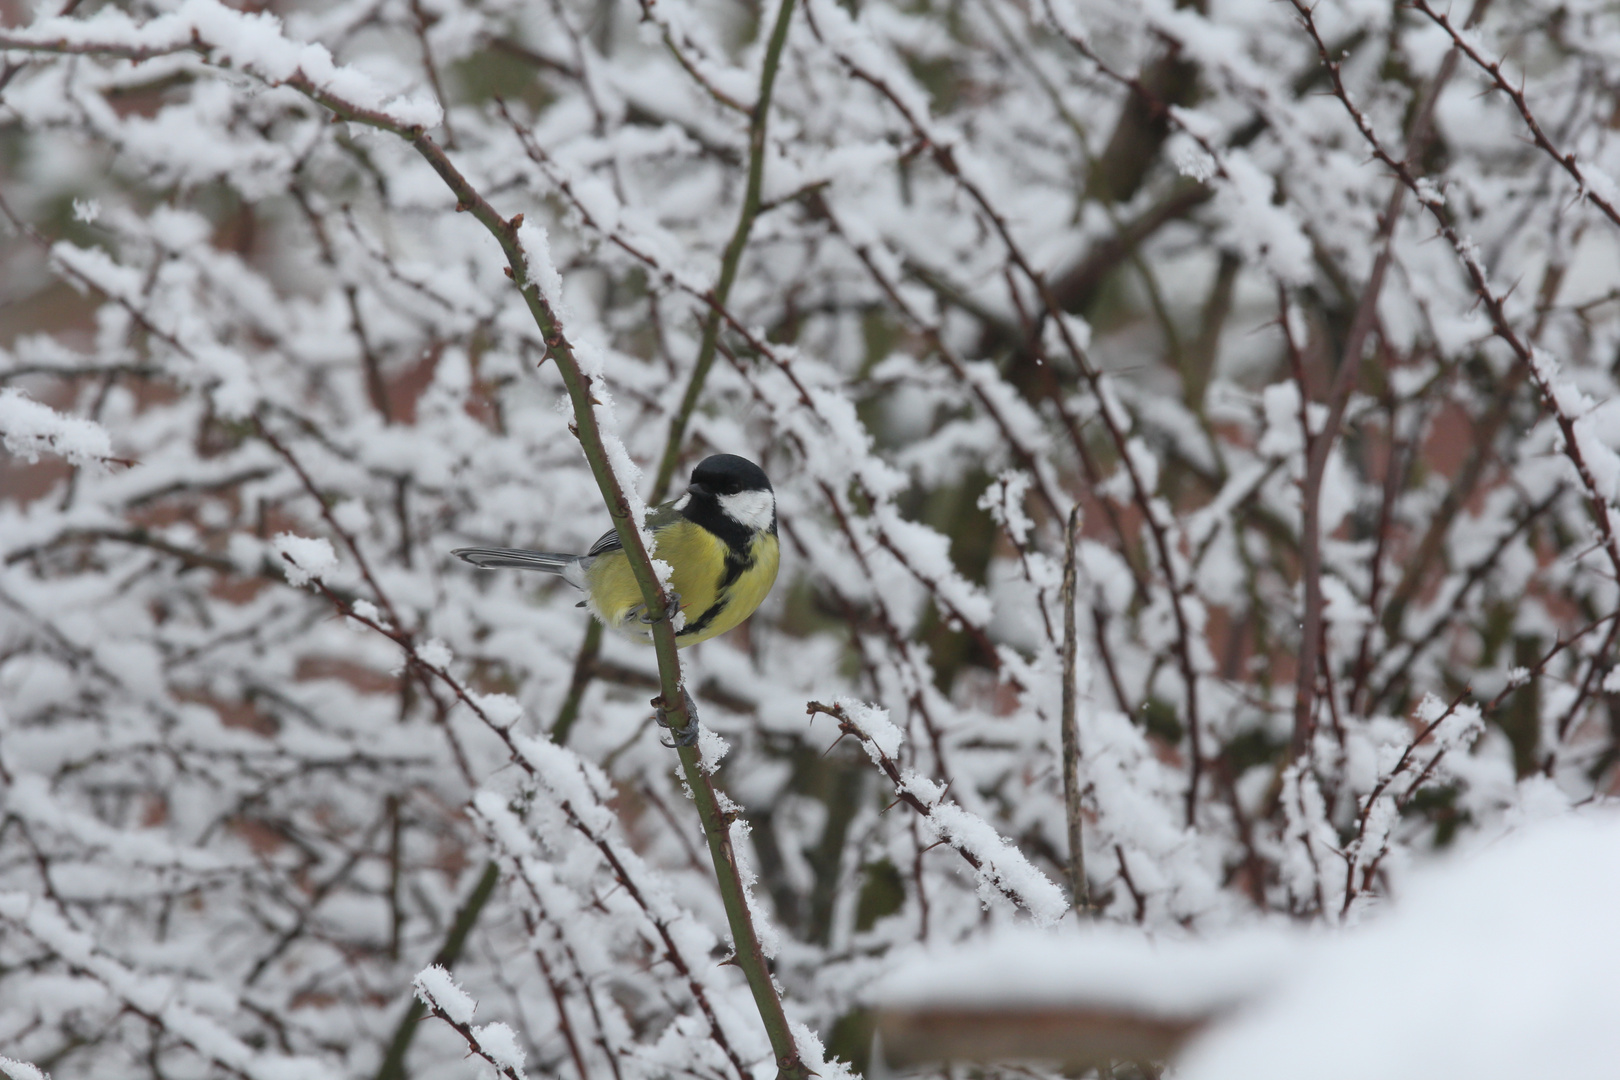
944 156
902 789
1354 847
1474 577
1596 665
1493 68
1320 448
1492 301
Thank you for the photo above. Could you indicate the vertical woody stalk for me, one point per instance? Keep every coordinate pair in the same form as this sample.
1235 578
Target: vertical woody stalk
732 257
750 956
1078 892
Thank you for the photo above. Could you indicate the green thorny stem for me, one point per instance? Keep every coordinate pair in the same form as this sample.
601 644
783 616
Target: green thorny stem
732 257
729 262
673 701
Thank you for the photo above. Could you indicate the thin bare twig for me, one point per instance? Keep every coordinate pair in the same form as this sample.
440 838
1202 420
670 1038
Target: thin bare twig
1597 194
903 793
731 258
1543 369
1078 889
1344 383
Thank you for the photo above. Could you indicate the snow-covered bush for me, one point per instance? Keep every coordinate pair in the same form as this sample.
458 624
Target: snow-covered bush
1304 317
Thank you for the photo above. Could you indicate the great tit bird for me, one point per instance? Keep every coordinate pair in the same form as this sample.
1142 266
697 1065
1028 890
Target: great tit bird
719 539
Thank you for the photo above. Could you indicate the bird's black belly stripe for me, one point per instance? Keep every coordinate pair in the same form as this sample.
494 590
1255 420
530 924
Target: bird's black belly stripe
737 563
703 621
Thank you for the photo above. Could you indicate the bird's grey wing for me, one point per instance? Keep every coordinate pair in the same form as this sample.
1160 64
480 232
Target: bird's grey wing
608 541
657 517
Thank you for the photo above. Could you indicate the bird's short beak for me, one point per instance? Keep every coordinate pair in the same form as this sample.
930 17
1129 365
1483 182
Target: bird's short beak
697 489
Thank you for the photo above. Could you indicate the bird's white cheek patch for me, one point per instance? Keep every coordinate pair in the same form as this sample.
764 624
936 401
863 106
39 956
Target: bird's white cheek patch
752 508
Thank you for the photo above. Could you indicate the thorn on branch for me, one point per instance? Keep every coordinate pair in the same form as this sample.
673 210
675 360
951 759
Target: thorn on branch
835 743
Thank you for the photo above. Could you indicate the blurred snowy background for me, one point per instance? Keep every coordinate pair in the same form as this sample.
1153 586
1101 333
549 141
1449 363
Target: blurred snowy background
1310 316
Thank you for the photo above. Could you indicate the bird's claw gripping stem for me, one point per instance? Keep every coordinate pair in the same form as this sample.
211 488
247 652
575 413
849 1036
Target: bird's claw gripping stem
686 736
669 610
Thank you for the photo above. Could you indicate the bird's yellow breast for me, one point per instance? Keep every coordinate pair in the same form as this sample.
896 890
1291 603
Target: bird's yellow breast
719 588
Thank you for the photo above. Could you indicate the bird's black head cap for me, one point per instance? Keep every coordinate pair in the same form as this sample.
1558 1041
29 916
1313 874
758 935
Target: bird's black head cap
727 474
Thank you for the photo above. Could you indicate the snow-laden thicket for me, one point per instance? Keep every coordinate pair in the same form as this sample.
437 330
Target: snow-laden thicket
1309 313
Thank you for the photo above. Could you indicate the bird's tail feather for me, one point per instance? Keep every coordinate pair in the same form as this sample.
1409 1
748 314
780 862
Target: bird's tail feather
547 562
